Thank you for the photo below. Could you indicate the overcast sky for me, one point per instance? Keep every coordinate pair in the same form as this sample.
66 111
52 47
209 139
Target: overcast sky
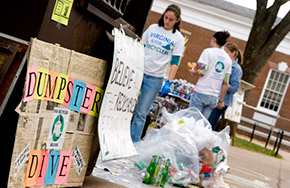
252 4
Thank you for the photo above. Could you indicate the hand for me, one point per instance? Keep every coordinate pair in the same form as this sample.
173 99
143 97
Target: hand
192 71
166 88
220 105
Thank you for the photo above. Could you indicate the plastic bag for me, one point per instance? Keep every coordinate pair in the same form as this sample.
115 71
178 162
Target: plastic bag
189 116
184 135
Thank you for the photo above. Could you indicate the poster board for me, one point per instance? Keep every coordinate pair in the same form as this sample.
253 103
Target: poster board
31 158
120 98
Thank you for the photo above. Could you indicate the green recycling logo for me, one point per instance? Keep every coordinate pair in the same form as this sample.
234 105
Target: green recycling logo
219 67
57 127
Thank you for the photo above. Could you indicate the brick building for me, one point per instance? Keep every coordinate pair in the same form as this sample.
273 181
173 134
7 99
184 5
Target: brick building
269 102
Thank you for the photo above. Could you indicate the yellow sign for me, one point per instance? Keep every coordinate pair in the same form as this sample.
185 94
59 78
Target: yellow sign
61 11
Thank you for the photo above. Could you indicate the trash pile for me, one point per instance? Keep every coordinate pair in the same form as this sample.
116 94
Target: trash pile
184 151
197 154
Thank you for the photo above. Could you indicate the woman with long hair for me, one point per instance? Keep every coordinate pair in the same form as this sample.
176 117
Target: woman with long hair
163 44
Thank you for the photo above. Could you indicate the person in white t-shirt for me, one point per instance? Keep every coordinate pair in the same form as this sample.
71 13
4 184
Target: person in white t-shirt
163 44
214 69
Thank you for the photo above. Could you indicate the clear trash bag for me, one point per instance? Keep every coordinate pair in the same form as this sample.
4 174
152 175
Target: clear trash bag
182 136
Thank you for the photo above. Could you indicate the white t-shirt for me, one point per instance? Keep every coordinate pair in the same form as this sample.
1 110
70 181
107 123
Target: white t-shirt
160 45
219 64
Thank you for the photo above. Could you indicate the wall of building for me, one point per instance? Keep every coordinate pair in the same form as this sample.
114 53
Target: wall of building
199 40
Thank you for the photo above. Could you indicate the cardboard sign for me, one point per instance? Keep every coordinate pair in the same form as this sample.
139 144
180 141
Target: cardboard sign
51 73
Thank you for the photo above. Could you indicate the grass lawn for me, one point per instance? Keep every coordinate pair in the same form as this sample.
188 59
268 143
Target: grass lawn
241 143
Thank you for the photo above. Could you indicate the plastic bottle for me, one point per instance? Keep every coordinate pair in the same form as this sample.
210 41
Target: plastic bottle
154 176
205 176
141 164
158 176
204 169
150 170
165 173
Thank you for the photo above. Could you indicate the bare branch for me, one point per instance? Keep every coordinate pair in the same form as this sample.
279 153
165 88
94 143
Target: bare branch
278 33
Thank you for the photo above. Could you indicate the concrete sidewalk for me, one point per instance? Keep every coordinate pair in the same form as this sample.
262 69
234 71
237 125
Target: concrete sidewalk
252 169
247 170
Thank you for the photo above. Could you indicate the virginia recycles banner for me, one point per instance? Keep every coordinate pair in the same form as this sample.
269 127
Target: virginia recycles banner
120 98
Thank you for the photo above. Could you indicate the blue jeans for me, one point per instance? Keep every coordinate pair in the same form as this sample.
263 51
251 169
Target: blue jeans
204 103
149 90
215 116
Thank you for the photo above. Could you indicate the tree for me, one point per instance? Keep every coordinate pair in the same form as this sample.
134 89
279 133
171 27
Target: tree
264 37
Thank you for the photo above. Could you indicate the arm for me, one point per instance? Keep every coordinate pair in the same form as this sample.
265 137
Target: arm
177 52
172 72
224 89
235 81
201 70
202 64
174 63
173 69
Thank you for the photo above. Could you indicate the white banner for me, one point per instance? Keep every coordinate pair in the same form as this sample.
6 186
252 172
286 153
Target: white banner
120 98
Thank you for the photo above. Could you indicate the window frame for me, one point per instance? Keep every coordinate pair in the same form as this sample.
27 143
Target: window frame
267 110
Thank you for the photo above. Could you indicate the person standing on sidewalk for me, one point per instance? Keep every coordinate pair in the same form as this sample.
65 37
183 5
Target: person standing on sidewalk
214 69
163 44
235 81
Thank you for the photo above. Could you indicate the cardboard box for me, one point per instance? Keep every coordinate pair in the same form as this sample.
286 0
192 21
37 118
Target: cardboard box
36 116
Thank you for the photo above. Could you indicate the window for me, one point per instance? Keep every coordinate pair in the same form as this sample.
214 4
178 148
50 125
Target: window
274 91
